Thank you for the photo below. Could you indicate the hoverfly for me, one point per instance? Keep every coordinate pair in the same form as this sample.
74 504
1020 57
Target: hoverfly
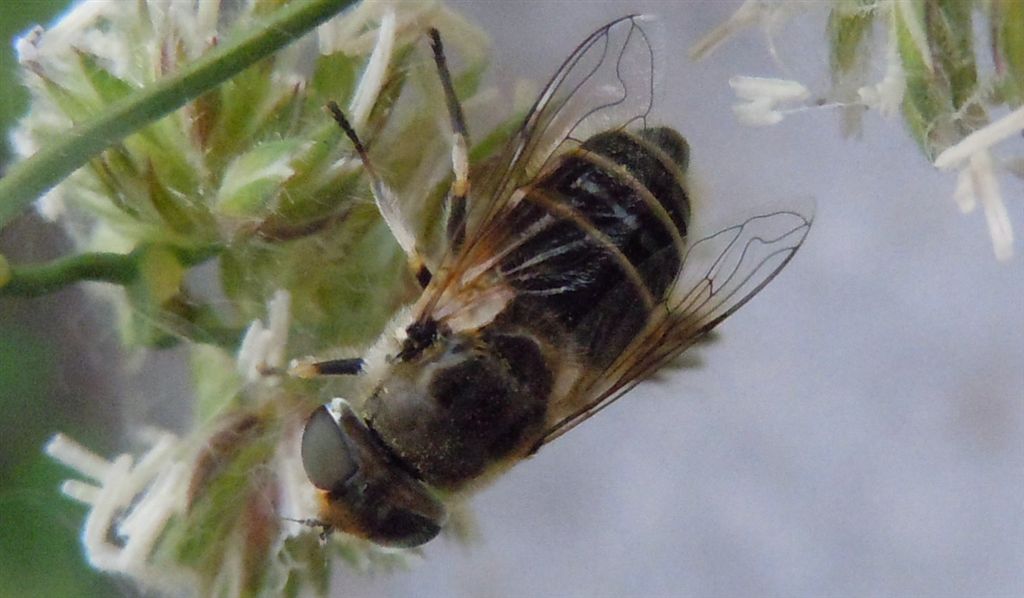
569 276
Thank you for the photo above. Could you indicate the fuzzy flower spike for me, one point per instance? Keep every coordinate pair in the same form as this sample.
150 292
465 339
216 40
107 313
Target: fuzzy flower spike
257 184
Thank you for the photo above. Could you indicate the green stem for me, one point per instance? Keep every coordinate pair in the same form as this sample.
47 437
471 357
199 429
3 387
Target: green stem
31 281
31 178
116 268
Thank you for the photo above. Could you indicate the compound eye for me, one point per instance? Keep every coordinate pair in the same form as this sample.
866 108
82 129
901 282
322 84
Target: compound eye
325 455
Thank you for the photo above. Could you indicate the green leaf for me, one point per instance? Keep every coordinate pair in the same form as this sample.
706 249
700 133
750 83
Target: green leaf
75 106
253 180
951 35
241 106
1008 25
849 26
924 102
333 79
183 217
108 88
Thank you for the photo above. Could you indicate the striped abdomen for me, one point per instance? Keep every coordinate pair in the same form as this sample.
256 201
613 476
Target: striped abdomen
601 241
590 248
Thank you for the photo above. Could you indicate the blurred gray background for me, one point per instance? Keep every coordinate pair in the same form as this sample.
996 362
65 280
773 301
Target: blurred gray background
857 431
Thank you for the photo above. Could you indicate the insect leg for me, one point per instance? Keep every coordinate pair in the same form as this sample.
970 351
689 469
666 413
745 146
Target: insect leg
307 368
386 200
456 227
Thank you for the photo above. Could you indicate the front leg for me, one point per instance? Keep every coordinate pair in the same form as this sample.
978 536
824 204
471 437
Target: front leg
386 200
308 367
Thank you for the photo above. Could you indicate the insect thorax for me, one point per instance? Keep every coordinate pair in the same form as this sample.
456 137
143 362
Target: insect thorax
466 404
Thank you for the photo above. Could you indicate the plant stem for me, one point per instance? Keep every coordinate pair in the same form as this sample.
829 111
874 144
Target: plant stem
31 281
31 178
116 268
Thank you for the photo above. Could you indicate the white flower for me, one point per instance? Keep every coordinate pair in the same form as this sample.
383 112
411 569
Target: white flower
262 351
128 501
976 183
982 139
767 100
977 180
373 77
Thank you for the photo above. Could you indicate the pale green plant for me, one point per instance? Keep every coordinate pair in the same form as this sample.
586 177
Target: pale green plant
252 177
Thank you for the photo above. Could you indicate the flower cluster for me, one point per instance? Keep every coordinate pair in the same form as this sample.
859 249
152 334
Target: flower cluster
254 181
955 106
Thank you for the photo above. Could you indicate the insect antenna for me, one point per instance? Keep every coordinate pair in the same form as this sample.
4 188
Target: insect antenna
386 200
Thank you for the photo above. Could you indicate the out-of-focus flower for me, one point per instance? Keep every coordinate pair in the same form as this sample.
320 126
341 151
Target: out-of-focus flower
977 180
768 15
766 100
933 72
133 500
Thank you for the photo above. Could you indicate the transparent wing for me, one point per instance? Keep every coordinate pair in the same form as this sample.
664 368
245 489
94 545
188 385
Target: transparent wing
719 274
606 83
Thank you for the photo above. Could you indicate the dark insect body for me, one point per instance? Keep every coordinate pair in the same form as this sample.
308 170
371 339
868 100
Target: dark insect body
592 250
618 216
568 278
